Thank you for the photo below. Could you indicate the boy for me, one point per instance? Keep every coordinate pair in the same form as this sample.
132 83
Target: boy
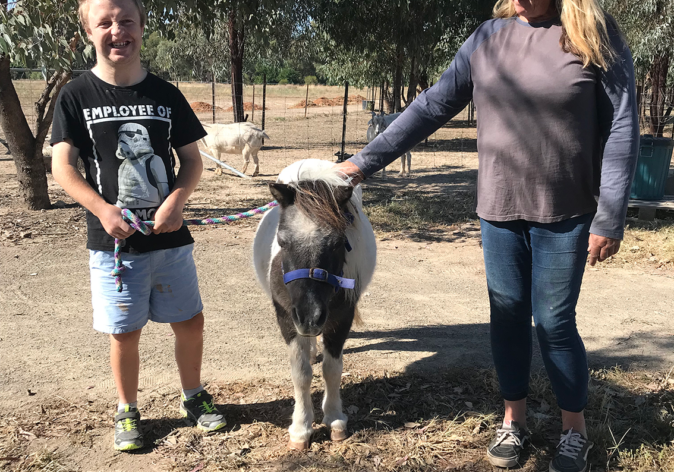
125 123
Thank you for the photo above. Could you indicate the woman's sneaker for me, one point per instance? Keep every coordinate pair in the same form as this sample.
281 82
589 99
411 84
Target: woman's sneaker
571 454
200 409
127 433
504 450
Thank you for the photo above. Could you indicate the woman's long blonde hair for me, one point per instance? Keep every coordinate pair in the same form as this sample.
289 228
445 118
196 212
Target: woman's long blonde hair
583 29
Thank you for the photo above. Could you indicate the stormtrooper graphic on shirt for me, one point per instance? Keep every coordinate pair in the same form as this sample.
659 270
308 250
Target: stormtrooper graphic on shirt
142 177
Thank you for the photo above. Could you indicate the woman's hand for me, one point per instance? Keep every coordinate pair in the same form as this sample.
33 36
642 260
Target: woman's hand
601 248
350 171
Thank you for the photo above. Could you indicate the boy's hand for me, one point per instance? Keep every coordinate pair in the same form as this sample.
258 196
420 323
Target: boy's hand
169 217
113 224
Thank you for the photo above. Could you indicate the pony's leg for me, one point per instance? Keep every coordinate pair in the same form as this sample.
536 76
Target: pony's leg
333 416
303 416
402 165
215 153
409 163
256 170
246 159
383 174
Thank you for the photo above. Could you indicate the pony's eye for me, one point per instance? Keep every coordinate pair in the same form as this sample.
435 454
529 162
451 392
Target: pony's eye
282 239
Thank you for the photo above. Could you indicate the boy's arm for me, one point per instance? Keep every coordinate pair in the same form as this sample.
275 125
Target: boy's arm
169 216
64 170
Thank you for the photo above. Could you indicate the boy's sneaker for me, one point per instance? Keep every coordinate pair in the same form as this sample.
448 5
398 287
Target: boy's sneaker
571 455
504 450
127 433
200 409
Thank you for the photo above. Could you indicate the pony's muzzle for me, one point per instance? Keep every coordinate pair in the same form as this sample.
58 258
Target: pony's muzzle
309 321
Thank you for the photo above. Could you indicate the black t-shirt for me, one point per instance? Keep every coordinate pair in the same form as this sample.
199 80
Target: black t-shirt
126 137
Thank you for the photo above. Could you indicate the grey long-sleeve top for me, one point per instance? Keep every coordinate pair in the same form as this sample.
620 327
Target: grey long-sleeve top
552 136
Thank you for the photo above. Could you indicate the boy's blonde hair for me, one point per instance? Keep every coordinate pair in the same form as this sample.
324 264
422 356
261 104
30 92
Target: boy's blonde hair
584 29
83 12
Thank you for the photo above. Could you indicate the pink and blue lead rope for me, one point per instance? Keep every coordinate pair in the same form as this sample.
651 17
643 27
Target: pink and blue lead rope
145 227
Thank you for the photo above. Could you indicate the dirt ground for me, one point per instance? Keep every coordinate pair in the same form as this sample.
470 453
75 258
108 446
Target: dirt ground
426 310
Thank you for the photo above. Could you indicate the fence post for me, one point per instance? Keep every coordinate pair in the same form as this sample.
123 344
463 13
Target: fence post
264 100
346 100
177 85
213 96
306 101
253 119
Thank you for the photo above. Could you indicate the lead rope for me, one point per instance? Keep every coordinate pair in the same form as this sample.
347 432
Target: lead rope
145 227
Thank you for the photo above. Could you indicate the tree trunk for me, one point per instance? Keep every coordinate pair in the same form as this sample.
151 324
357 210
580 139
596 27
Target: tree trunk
423 80
658 73
388 99
397 78
236 43
412 88
30 169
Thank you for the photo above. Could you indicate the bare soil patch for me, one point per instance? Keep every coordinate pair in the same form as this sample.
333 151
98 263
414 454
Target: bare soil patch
248 106
329 102
426 324
203 106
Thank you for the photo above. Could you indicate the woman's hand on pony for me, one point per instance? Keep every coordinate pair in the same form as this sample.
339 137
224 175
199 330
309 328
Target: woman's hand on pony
351 172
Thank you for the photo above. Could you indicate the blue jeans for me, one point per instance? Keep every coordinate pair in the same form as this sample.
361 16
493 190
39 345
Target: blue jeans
537 269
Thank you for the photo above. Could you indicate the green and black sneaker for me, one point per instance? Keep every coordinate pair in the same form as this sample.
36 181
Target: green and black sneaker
127 430
200 409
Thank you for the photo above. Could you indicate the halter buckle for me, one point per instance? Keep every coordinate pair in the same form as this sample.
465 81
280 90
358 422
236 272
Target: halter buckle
316 273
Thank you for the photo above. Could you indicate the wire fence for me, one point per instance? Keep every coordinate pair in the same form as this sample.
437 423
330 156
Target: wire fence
307 121
303 121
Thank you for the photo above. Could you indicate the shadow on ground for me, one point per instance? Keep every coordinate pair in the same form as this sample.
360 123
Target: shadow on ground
430 417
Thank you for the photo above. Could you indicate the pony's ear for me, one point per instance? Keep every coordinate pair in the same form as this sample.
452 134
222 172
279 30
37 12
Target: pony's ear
284 194
343 194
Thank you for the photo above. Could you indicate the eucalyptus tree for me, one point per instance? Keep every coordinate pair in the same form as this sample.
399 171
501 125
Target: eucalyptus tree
649 28
385 37
191 55
244 18
45 32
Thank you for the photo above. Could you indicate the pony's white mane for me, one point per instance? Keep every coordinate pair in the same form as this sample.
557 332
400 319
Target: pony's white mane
360 262
318 170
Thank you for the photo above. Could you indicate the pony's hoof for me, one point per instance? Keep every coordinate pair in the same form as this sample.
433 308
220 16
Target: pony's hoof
299 446
338 435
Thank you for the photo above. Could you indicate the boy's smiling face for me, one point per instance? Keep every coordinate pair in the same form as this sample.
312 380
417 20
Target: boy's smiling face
115 29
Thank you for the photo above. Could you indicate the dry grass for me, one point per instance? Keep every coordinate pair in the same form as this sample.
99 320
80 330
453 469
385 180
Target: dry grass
394 212
649 243
398 423
434 216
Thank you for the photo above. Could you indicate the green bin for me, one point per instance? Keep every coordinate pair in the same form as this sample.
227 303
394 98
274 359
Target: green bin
655 155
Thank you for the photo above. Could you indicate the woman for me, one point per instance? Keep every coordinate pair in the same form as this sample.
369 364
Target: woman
557 139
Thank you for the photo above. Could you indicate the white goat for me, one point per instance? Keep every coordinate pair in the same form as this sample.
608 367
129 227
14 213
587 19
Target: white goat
377 125
235 138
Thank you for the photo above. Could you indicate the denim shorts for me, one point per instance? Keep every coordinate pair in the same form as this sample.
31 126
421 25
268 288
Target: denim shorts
159 285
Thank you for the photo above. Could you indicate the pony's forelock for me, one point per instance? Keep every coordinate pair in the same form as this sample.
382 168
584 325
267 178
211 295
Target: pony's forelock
316 199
